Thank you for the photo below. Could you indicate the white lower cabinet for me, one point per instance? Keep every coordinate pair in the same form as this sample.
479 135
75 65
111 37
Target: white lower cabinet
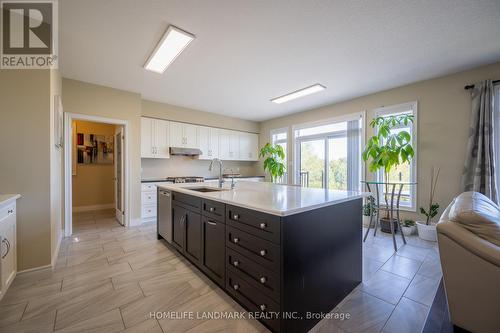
8 258
148 202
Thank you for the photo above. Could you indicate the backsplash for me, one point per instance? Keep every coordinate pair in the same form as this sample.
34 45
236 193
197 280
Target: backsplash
187 166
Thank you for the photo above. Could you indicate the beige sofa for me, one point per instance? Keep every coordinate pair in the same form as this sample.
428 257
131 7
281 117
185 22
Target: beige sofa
469 247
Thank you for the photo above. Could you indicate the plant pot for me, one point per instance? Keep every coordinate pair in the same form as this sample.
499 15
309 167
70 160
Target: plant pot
366 221
408 231
427 232
385 225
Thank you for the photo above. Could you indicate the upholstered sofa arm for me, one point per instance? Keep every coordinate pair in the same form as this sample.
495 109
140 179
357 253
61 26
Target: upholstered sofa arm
476 245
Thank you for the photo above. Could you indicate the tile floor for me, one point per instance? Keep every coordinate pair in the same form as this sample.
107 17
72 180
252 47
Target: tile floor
109 279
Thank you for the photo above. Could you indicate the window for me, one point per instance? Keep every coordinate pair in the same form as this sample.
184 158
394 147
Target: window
328 154
279 137
405 172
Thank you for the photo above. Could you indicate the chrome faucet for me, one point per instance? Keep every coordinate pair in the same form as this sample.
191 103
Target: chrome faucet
221 180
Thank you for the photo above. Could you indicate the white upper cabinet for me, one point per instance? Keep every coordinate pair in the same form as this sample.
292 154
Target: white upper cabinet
157 136
162 129
248 146
209 142
183 135
154 138
229 145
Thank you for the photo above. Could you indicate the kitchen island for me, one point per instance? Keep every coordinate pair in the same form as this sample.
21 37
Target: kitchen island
287 254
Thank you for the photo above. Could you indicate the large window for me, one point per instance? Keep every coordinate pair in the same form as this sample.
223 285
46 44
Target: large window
279 136
328 154
405 172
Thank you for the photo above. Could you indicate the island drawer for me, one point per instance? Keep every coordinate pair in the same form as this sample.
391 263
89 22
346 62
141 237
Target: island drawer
256 223
253 300
262 278
261 251
213 209
187 201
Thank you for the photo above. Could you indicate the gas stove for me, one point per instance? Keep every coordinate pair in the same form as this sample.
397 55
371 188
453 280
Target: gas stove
178 180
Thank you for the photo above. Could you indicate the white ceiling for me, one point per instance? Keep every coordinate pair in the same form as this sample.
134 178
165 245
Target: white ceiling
249 51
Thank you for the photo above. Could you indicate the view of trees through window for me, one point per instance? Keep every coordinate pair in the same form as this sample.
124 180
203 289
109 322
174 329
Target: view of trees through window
323 159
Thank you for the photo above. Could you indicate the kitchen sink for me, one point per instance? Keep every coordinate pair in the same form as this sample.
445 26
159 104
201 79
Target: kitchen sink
204 189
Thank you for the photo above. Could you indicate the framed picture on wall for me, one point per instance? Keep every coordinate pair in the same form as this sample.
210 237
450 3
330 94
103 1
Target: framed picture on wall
58 122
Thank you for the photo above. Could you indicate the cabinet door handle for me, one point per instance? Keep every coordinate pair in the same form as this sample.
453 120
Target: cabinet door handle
236 263
211 223
263 307
236 240
236 287
263 279
183 218
263 252
236 217
263 225
211 209
10 211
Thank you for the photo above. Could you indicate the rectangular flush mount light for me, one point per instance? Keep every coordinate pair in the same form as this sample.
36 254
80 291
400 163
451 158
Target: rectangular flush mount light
298 93
173 42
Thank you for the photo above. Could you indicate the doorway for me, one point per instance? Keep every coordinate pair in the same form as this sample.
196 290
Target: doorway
96 170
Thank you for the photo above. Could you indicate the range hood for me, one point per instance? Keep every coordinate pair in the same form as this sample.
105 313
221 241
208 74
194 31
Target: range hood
185 151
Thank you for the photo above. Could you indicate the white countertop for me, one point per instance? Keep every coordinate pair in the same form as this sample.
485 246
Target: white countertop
276 199
7 198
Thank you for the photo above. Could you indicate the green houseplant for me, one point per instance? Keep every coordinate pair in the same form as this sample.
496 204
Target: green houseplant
408 227
368 210
427 229
387 149
274 160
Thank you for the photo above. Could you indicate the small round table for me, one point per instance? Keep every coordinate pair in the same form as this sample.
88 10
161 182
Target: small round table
393 191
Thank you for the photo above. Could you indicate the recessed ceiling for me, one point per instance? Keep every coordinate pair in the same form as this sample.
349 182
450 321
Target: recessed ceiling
247 52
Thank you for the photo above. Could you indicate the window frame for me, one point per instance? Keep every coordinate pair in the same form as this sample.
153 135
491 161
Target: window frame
276 131
393 110
361 116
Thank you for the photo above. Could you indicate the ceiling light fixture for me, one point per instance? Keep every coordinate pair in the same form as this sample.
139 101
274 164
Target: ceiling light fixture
299 93
173 42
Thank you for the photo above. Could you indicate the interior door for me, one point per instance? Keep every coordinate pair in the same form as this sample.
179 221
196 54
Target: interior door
119 176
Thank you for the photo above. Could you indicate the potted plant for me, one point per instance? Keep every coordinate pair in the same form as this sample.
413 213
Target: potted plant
274 162
427 228
368 210
408 227
386 150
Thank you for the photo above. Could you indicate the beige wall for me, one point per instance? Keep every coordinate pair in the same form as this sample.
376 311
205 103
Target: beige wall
443 122
182 166
85 98
177 113
93 184
25 159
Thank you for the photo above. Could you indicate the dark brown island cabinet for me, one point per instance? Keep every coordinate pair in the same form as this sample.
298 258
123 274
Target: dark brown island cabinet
287 271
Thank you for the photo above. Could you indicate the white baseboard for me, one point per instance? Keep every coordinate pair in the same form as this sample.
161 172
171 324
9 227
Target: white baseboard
92 207
54 257
34 269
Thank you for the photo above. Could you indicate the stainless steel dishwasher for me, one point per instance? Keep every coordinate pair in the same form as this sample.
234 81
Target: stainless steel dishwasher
164 224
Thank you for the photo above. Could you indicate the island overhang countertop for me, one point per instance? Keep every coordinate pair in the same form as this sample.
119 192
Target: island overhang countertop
276 199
